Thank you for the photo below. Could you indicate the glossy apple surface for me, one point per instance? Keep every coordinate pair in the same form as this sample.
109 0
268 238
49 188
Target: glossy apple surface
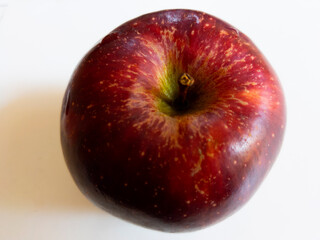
147 150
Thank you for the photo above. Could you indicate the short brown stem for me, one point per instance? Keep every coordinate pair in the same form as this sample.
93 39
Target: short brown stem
185 82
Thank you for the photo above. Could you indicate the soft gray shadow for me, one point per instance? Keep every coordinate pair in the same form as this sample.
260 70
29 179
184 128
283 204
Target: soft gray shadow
33 173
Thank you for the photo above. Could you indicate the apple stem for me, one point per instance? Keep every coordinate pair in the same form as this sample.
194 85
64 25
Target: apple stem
185 82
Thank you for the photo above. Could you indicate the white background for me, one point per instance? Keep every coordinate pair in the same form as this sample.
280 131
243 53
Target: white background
40 44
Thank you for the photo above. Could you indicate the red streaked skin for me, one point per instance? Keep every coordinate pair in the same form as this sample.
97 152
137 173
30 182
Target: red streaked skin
133 154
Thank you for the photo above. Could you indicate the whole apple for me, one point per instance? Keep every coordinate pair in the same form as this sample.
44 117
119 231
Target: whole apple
172 121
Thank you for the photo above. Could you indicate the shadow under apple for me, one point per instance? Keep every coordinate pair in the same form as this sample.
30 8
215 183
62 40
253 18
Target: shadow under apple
33 173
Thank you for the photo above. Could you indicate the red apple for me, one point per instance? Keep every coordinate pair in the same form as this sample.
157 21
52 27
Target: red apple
172 121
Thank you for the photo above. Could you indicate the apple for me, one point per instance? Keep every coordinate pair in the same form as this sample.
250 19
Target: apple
172 121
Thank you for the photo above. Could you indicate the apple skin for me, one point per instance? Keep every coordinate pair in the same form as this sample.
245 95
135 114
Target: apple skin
141 158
